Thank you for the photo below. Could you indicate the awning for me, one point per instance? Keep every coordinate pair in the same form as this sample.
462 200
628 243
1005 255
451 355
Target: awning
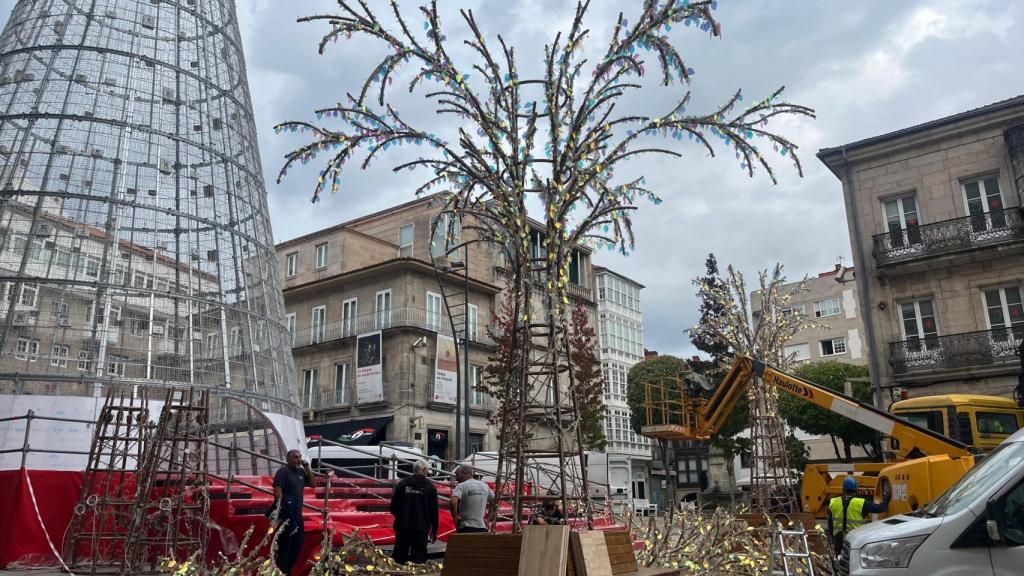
366 432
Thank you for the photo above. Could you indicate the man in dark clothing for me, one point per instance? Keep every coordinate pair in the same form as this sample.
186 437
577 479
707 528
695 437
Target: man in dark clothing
414 506
850 511
549 515
289 483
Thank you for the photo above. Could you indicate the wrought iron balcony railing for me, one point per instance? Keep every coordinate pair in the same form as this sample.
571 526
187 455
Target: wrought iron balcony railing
966 350
915 242
403 317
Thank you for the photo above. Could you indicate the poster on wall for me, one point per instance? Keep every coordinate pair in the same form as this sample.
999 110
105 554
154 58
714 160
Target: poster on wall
446 371
369 373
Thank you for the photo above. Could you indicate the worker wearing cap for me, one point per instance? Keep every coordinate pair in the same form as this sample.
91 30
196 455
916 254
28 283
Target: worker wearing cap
850 511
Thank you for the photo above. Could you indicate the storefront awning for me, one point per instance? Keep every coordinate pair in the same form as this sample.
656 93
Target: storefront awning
365 432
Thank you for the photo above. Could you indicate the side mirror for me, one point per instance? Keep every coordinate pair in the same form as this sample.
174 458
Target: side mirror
992 521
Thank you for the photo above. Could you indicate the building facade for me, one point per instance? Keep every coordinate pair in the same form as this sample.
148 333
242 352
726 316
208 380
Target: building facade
621 338
935 220
829 302
374 274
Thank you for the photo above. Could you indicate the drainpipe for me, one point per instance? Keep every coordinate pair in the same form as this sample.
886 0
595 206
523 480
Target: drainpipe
867 309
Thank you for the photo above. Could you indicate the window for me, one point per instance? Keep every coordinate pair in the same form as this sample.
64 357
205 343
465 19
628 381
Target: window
930 419
138 326
85 360
996 423
349 312
574 267
476 395
92 267
309 379
236 341
918 321
29 295
291 328
434 312
797 310
447 235
382 309
833 347
26 349
689 468
901 220
984 204
316 332
472 319
826 308
341 372
116 364
476 443
321 255
59 355
798 352
1005 310
291 264
212 346
405 236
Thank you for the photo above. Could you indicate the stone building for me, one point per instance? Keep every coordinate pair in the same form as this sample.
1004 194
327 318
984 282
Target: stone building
935 221
374 273
829 300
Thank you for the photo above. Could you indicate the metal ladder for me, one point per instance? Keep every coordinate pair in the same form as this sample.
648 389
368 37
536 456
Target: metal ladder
789 559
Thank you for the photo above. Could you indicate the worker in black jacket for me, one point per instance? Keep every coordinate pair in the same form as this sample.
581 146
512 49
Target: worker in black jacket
414 506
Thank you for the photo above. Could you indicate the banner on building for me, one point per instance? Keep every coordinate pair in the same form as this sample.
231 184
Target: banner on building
446 371
369 373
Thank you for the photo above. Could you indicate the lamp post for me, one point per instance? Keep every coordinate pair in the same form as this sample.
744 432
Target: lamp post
462 395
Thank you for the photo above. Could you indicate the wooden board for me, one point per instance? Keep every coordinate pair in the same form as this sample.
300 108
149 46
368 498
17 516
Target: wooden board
482 555
590 554
620 551
545 551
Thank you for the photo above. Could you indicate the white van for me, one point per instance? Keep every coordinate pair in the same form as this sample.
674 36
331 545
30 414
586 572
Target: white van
381 462
976 528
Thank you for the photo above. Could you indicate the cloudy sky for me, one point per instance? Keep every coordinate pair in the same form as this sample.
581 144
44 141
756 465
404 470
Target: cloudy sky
866 67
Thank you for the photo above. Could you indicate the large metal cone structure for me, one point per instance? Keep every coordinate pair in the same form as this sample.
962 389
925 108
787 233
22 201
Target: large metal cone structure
135 243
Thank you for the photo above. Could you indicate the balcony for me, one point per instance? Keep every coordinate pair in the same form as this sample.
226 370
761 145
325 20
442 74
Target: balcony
987 348
405 317
994 229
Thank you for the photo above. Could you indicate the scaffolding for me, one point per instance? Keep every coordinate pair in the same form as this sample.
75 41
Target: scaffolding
135 243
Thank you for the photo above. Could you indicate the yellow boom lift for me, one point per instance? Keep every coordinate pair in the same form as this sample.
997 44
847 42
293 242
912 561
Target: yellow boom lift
920 465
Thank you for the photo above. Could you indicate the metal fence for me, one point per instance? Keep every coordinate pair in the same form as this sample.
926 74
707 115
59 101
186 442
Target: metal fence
968 349
996 227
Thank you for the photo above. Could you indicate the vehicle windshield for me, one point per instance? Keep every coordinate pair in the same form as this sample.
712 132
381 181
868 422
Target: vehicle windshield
978 480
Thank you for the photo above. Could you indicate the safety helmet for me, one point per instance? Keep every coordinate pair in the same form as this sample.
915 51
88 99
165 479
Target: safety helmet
849 484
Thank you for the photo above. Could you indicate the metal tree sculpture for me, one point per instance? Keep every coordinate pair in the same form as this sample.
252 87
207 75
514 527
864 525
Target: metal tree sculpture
559 136
762 336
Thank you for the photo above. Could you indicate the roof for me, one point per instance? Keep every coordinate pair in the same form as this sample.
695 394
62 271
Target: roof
947 120
602 269
955 400
408 261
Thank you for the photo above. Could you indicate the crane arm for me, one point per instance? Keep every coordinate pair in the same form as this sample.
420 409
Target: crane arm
914 441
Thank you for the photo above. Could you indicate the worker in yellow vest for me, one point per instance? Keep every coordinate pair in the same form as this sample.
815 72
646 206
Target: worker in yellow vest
850 511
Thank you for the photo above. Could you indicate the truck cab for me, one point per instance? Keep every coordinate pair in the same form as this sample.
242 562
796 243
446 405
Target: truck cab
975 528
979 421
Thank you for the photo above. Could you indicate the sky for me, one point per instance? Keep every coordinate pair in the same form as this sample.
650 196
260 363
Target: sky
866 67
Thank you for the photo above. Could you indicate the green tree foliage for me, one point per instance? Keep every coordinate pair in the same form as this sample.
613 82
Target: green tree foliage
814 420
710 308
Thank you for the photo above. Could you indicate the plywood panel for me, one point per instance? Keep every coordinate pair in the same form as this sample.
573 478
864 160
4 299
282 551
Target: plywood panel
545 551
590 554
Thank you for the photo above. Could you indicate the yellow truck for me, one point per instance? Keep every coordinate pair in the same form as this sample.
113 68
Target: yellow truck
923 460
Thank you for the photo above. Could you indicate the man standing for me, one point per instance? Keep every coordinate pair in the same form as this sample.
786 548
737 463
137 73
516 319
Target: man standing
289 483
414 506
469 501
849 511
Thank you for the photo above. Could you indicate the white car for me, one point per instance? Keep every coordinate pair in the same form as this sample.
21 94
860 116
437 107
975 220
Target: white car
975 529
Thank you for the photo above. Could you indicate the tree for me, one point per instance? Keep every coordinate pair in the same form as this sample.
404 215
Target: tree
561 137
589 379
660 370
711 311
818 421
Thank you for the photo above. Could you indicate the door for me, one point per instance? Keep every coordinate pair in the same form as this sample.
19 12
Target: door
1008 558
382 308
901 219
920 334
433 312
984 204
316 333
1005 315
349 312
437 443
